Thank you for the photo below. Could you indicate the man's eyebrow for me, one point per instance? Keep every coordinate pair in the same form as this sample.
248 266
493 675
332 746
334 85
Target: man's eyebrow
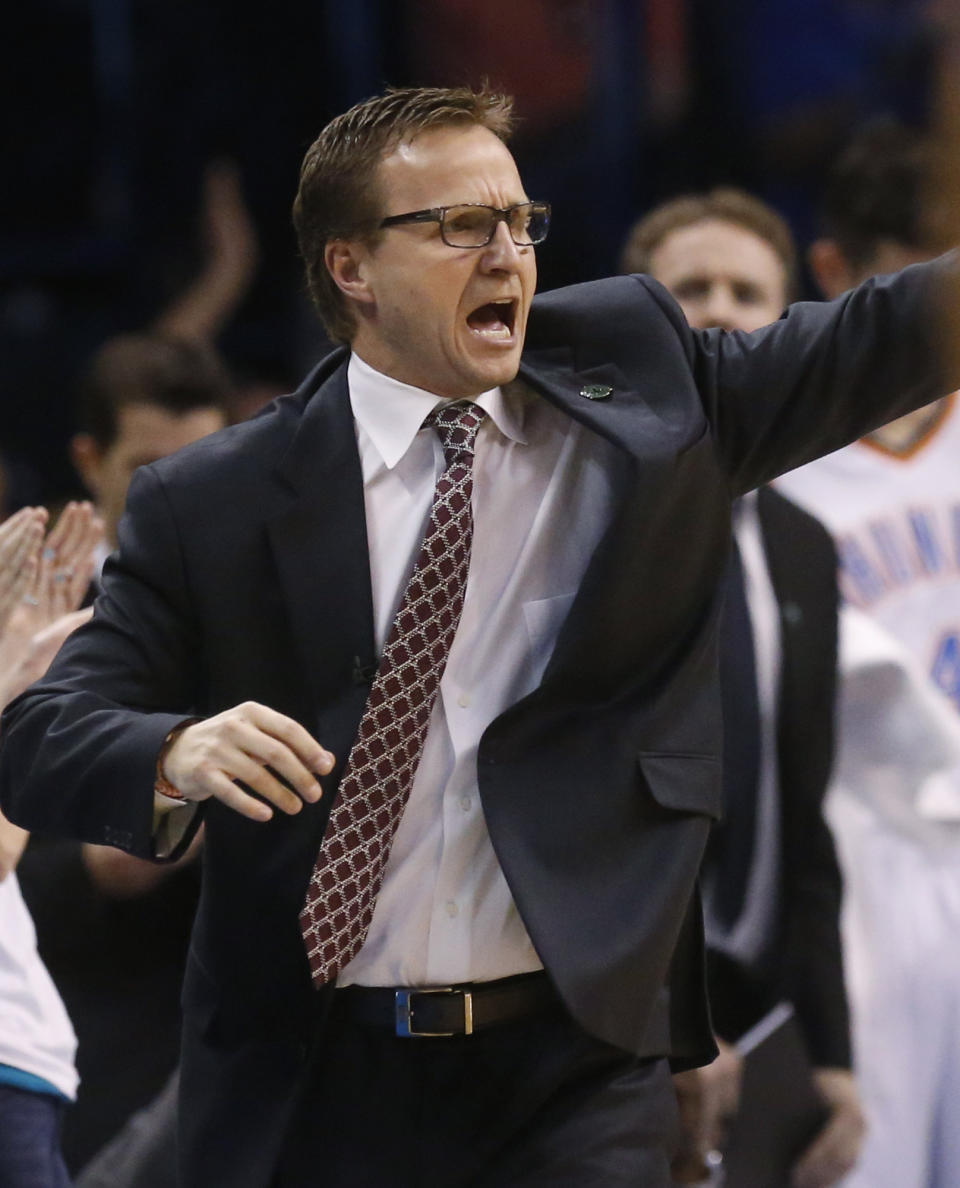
692 280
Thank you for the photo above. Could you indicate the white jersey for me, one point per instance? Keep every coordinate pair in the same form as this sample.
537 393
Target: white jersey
35 1033
894 803
896 521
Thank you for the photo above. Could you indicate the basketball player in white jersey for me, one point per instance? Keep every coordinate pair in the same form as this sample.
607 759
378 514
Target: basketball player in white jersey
893 503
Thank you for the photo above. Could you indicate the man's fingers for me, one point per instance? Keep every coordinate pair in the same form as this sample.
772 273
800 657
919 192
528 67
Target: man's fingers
261 780
306 748
268 751
234 746
222 788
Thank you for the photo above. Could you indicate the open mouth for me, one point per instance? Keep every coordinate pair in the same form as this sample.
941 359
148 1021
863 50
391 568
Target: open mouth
494 320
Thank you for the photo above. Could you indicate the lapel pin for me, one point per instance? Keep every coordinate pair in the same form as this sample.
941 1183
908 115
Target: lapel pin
596 391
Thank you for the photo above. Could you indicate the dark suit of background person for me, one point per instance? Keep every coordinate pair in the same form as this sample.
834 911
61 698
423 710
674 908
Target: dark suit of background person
598 788
800 957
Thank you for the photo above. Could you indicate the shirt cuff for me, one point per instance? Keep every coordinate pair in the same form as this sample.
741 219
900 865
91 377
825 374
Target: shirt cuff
171 820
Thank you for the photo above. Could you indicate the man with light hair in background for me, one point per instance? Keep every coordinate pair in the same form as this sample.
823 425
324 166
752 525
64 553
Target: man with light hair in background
771 881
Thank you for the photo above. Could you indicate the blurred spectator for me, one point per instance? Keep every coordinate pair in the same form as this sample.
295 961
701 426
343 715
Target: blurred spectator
39 596
113 929
770 880
142 398
893 503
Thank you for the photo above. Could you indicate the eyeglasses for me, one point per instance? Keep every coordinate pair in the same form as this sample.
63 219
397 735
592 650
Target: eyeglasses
473 225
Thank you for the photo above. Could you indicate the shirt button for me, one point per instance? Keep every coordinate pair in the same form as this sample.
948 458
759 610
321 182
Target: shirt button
464 700
466 803
452 909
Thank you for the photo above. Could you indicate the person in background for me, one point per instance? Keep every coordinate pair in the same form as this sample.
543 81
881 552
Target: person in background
143 396
771 881
892 501
42 583
113 927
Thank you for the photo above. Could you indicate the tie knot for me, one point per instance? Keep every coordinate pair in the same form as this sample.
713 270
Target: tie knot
457 423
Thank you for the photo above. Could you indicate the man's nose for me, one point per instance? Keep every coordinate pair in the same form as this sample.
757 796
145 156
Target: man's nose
501 251
721 309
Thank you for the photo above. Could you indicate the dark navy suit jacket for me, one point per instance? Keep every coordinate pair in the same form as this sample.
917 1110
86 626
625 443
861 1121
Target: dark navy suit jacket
243 574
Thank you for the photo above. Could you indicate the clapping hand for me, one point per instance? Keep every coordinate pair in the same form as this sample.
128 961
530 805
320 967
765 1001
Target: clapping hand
42 583
56 578
20 539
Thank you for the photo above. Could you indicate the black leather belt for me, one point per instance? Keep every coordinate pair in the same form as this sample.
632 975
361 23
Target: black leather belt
444 1011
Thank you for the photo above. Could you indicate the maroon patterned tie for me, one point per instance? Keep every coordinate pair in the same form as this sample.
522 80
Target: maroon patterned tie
383 761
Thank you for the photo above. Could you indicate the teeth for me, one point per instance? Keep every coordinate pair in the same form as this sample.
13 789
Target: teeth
500 331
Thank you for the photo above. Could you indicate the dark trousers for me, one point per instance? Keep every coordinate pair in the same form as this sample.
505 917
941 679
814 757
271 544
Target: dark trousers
534 1103
30 1140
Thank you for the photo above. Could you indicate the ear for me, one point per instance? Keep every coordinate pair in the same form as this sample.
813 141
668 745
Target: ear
830 268
87 459
346 261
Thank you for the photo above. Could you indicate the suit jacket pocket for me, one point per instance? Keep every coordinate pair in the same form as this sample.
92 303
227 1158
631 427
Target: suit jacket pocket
684 783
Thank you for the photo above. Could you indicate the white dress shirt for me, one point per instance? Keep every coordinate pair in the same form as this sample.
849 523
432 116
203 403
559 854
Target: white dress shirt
746 940
542 498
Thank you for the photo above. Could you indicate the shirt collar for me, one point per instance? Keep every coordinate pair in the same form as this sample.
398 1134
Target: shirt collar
391 412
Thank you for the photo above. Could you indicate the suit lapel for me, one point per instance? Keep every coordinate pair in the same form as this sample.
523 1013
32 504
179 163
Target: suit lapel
319 543
618 566
623 418
319 540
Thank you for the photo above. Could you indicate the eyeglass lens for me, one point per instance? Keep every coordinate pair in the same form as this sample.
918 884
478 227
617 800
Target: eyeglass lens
474 226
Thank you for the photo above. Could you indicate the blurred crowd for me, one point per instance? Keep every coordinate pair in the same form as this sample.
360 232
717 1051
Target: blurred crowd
746 154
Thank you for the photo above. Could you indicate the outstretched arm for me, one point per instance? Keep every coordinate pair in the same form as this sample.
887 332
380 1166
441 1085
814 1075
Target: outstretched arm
825 373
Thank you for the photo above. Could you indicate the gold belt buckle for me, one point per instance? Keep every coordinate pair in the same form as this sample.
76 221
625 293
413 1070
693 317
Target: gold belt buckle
404 1025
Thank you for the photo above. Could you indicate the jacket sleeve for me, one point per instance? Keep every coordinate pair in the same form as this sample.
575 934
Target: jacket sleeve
117 687
825 373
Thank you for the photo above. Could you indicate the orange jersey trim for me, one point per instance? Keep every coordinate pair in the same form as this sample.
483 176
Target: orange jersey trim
923 440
